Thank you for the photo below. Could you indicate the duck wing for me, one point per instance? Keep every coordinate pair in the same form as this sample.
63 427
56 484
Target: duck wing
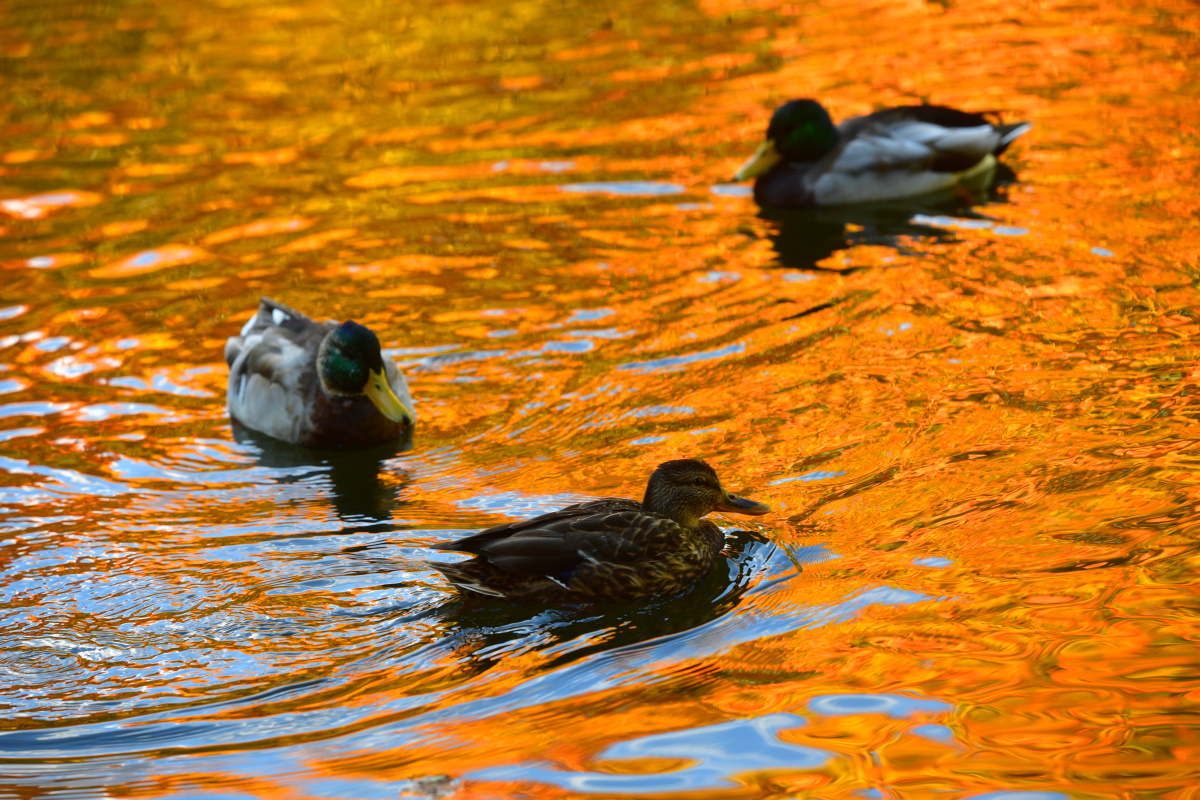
904 152
272 370
278 323
603 505
609 531
924 137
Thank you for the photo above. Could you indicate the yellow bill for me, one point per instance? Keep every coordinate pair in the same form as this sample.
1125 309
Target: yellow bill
765 157
379 392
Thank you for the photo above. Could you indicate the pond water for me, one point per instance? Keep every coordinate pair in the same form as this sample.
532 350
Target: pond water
975 419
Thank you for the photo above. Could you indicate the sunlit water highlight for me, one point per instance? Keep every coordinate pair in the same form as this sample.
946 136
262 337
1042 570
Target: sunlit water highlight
973 416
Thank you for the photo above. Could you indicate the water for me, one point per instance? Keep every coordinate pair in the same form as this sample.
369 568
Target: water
974 418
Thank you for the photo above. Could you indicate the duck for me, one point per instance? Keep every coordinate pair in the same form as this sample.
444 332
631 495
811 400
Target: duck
609 549
899 152
323 385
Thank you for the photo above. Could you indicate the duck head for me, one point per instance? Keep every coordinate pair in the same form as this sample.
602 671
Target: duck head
350 364
800 131
687 489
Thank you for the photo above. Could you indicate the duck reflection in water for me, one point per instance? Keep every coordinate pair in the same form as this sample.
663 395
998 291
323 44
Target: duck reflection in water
804 237
610 549
364 489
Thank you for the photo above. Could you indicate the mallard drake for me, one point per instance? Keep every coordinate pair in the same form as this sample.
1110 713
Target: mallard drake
318 384
898 152
607 549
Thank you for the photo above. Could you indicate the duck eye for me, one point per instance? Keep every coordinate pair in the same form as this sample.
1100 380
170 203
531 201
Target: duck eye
700 481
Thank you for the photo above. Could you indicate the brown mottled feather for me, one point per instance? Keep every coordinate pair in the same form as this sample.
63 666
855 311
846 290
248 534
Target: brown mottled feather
610 556
607 549
611 548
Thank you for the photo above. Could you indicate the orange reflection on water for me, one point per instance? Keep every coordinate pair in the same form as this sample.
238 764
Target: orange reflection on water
975 423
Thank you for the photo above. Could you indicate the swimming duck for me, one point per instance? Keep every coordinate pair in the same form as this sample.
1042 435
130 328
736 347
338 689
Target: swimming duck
318 384
898 152
607 549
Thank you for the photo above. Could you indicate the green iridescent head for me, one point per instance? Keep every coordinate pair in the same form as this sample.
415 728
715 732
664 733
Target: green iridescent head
800 131
350 363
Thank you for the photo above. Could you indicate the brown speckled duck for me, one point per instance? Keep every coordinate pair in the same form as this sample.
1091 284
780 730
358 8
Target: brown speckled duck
607 549
318 384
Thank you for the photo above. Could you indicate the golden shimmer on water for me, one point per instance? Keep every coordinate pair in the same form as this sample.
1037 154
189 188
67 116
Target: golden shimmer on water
974 418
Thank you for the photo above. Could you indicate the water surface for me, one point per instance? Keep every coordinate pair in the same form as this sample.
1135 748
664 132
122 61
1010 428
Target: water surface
973 416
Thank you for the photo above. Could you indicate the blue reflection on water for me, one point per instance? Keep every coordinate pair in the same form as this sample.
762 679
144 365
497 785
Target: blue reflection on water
161 383
894 705
648 440
53 344
146 258
589 315
631 665
576 346
732 190
519 504
31 409
16 433
933 561
658 411
934 732
103 411
625 188
939 221
675 362
602 333
718 752
815 475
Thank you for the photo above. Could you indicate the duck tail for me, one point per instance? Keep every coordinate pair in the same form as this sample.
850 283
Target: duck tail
463 579
277 311
1010 133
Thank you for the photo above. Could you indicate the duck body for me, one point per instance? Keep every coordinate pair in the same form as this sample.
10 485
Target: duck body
318 384
607 549
896 153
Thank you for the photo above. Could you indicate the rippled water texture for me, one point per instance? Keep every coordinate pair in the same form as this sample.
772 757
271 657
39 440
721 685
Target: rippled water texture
975 419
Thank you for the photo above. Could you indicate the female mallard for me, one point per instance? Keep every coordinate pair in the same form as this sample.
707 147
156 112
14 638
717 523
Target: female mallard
608 549
898 152
317 384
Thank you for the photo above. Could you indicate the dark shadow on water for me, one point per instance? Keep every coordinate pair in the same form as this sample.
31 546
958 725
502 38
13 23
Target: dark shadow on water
364 488
481 624
804 237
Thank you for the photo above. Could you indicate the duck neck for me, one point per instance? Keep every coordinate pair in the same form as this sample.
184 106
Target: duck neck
663 501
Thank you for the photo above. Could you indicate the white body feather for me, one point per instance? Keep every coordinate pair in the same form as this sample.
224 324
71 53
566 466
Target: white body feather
273 405
890 160
843 187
